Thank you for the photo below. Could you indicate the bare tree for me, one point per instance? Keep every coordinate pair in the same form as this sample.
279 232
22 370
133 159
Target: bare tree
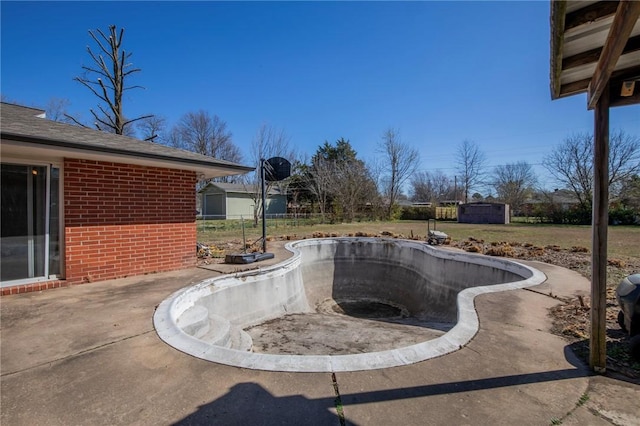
112 68
57 110
173 137
338 177
317 179
470 162
514 183
401 162
624 159
351 185
571 163
269 142
153 129
205 134
322 174
431 186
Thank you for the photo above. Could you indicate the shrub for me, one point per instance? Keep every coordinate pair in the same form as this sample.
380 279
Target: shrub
417 213
623 216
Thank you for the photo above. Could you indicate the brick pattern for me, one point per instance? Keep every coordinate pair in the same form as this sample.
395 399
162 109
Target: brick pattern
97 193
123 220
27 288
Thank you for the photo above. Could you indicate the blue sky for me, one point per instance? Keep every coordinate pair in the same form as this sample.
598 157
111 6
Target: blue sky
440 72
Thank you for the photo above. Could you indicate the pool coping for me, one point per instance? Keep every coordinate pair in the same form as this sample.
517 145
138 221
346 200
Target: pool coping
465 329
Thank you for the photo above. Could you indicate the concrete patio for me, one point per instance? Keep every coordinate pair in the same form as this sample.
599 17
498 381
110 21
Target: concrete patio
89 354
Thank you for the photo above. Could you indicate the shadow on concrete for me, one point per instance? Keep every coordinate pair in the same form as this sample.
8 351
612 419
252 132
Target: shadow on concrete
619 367
459 387
250 403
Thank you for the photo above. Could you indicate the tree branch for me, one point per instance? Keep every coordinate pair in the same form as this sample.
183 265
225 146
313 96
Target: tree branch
72 118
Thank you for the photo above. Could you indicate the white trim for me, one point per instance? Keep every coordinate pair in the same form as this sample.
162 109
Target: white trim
34 150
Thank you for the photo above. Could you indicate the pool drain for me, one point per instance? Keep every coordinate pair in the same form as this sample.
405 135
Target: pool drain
363 308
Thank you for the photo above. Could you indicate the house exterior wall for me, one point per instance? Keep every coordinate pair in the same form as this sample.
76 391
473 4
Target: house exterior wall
214 206
231 204
239 205
276 204
122 220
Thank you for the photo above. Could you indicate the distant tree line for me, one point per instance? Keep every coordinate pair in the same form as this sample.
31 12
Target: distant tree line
339 185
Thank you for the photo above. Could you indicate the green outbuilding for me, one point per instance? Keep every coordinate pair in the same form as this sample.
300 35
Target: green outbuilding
236 200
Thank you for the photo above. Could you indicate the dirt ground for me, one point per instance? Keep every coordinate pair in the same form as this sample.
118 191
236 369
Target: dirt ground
570 317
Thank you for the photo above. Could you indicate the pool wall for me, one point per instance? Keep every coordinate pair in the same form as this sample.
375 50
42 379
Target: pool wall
206 320
420 278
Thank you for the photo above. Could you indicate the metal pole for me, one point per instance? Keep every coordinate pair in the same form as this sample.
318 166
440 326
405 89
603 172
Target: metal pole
264 208
244 239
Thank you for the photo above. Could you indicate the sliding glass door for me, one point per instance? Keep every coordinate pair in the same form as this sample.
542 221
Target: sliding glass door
29 223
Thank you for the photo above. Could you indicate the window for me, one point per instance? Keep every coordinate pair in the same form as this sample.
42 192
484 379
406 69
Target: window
30 231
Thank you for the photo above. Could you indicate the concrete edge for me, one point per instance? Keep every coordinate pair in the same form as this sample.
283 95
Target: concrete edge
467 325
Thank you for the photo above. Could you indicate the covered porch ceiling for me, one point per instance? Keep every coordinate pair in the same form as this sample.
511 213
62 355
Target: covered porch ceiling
592 43
595 49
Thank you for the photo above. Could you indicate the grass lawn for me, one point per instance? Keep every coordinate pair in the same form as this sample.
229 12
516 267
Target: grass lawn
623 242
571 317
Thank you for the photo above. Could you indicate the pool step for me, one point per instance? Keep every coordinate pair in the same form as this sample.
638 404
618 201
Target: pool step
222 333
195 321
219 333
241 340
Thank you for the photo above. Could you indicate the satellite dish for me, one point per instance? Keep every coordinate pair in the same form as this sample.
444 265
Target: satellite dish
277 168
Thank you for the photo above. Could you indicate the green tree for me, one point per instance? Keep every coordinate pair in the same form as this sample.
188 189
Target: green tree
342 151
337 177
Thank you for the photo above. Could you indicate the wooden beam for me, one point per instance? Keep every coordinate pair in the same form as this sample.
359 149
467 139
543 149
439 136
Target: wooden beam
619 101
598 336
580 86
590 13
592 56
558 9
626 18
615 97
574 88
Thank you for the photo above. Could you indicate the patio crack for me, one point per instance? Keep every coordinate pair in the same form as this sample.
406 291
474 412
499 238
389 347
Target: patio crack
337 400
82 352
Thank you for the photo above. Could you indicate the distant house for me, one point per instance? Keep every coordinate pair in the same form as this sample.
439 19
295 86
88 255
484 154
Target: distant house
563 199
481 213
233 201
80 205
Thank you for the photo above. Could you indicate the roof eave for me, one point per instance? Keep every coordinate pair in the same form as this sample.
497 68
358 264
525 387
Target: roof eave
188 163
558 14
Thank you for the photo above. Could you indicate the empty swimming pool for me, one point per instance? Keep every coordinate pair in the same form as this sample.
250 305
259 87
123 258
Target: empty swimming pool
385 303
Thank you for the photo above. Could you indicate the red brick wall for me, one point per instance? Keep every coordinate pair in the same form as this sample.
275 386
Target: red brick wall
123 220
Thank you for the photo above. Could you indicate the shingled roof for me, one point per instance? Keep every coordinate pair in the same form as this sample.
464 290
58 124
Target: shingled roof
22 127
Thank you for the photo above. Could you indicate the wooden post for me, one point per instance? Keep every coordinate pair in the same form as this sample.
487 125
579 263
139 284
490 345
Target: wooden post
597 342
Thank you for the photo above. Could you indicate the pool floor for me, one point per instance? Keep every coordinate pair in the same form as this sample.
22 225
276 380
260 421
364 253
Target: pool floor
324 333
